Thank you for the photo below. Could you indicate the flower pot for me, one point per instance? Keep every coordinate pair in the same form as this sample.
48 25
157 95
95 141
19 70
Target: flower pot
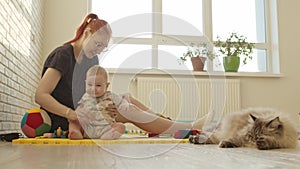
198 63
231 63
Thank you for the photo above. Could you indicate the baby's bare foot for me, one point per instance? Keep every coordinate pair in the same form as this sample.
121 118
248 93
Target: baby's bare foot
75 135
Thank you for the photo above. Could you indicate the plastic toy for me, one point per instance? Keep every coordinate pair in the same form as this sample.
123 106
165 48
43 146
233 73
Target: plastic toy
59 133
182 134
138 132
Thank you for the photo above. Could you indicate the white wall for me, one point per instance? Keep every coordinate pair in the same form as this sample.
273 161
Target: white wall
283 93
62 17
20 55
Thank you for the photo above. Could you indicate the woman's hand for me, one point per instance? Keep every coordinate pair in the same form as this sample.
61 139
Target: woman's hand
112 110
72 115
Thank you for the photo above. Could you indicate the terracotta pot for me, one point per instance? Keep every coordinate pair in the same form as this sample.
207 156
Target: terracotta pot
198 63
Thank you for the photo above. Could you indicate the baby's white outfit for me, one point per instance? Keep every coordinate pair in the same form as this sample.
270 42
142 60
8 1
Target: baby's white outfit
99 120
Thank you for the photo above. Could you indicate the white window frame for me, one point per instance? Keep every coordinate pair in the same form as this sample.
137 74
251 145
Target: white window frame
271 45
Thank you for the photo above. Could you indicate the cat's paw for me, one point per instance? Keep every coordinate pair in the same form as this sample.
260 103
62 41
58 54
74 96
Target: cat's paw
227 144
262 144
191 139
198 139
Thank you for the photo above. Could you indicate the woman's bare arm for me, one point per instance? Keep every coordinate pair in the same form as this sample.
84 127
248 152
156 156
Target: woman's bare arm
43 95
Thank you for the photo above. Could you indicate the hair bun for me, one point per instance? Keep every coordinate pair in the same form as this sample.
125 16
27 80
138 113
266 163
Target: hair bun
91 17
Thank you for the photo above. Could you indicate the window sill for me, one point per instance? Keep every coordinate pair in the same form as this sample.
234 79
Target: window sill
193 73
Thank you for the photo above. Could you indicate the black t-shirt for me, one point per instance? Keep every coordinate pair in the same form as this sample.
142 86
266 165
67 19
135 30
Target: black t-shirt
71 86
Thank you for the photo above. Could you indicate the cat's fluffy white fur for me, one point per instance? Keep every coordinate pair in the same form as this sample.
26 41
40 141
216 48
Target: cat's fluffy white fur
237 124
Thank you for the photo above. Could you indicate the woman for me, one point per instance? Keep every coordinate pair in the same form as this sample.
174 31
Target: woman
63 75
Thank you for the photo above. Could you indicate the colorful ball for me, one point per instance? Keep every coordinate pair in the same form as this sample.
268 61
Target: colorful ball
35 122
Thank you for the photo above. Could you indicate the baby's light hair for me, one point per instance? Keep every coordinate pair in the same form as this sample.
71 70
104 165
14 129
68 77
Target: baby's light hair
97 70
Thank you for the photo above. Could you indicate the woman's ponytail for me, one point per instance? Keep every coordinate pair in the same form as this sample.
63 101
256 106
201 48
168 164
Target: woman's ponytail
87 20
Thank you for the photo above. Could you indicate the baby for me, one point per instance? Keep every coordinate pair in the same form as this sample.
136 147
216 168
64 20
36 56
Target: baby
95 120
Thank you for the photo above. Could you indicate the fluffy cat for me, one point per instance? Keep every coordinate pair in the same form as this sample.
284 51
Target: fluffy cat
262 128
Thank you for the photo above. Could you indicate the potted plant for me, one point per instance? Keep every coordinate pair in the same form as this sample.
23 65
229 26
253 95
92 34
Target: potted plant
234 47
198 53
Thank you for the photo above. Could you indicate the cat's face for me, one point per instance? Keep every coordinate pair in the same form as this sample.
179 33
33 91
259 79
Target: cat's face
265 128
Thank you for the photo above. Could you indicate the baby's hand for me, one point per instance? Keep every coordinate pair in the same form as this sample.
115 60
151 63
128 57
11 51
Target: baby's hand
112 110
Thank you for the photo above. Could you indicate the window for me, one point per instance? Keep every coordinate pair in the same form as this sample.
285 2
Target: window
155 33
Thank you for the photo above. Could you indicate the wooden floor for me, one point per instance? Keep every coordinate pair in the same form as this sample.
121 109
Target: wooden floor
154 156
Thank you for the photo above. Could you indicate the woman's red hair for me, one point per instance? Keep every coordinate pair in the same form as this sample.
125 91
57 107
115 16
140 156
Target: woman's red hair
91 21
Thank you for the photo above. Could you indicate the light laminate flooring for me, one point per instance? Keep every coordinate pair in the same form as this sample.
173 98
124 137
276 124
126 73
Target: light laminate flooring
146 156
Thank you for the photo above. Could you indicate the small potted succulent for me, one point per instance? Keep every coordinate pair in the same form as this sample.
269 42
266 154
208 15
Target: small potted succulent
198 53
233 47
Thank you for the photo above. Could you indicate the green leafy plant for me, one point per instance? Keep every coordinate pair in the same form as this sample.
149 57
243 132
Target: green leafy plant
197 50
235 45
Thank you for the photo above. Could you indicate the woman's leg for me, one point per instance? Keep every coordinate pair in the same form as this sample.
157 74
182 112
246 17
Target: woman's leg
143 107
154 124
137 103
147 120
199 123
